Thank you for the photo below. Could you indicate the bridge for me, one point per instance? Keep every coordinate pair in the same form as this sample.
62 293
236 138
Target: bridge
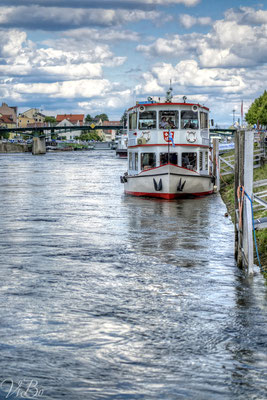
39 133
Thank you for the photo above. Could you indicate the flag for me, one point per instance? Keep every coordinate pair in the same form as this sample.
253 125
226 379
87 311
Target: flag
171 138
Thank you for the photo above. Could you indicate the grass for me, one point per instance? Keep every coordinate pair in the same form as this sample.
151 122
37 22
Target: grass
227 193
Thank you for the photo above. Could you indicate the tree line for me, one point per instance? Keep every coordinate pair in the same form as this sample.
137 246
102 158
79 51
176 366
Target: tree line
257 112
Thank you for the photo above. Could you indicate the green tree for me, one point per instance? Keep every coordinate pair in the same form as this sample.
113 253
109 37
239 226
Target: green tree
52 120
4 135
88 118
90 135
257 113
103 117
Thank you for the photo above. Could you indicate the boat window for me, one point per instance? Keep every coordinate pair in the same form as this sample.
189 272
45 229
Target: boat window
189 119
147 120
130 160
148 160
136 161
203 120
168 119
206 160
189 160
201 161
173 158
133 120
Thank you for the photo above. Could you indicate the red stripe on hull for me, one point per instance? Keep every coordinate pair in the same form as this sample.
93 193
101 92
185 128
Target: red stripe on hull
168 196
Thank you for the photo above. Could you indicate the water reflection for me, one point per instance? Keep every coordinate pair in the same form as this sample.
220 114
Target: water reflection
105 296
170 229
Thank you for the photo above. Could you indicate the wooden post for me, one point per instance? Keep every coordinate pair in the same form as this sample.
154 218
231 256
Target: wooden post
248 184
241 183
236 184
216 167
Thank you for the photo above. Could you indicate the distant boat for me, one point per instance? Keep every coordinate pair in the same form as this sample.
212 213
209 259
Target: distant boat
121 150
168 150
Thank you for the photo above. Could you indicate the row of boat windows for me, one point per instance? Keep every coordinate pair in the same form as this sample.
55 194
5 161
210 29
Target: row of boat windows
186 119
187 160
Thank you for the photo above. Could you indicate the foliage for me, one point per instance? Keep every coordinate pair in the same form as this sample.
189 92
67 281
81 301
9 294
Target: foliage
103 117
90 135
124 118
257 113
54 136
4 135
88 118
52 120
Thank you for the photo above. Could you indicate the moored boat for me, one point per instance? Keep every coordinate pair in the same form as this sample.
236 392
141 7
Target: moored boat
168 149
121 150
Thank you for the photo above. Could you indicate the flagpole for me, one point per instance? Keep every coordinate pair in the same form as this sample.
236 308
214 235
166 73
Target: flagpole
169 146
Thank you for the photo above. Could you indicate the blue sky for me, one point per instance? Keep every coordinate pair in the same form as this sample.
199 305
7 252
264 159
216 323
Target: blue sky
89 56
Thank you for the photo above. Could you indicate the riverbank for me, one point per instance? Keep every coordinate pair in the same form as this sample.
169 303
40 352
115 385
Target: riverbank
7 147
227 194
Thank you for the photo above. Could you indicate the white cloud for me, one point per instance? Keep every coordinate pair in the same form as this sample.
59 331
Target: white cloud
188 73
188 20
103 4
21 58
105 35
228 44
54 18
67 89
11 42
68 71
247 16
165 47
114 100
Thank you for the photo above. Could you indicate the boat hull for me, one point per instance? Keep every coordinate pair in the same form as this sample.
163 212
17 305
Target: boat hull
168 182
121 153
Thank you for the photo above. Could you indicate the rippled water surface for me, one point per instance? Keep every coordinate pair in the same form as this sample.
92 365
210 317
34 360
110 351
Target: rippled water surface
105 296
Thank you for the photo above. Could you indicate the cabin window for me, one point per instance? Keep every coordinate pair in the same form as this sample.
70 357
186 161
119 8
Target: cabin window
130 160
189 119
168 119
136 161
206 160
201 161
147 120
189 161
133 121
148 160
173 158
203 120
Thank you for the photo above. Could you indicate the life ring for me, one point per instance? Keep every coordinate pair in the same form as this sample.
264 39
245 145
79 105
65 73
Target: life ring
191 136
146 136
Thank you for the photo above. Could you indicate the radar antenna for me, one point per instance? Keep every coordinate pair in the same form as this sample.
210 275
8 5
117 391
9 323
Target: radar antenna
169 94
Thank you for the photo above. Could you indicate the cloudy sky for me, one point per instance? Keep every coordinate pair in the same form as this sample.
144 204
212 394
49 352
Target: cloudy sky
93 56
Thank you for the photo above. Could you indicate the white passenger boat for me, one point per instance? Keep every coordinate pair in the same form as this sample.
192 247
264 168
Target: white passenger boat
121 150
168 149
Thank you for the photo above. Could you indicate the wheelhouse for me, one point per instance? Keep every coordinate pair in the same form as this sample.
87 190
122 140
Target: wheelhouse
149 145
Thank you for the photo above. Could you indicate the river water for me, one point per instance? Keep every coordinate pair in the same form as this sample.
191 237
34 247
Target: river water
110 297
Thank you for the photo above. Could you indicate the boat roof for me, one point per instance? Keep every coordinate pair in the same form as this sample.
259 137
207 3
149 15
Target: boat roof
155 104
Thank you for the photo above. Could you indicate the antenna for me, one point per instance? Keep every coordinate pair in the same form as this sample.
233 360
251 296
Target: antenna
169 94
